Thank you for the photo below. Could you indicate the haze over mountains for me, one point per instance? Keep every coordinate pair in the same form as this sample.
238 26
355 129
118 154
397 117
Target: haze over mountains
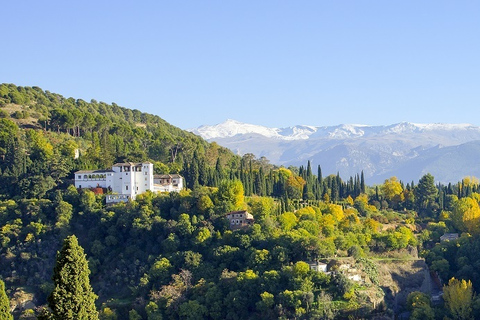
406 150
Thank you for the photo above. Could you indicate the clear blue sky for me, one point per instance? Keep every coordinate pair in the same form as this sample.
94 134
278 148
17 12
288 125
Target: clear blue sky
275 63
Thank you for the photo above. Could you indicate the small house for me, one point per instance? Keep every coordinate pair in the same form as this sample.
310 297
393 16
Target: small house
449 237
240 219
318 266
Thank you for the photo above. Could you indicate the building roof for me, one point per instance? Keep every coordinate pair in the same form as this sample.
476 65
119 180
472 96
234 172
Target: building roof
166 176
449 236
122 164
93 171
247 215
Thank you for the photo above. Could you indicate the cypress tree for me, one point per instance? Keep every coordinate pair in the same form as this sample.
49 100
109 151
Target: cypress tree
73 297
202 172
219 170
319 175
362 183
4 304
335 190
309 172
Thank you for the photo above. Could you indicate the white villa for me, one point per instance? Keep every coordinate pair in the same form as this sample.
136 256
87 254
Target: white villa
126 180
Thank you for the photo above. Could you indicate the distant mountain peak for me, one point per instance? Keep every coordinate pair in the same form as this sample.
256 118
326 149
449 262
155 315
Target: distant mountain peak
380 151
230 128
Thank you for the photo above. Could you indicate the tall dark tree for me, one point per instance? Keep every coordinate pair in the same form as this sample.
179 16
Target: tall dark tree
4 304
362 183
72 297
425 193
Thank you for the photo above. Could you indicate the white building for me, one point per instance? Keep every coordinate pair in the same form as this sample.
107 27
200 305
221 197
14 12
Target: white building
126 180
168 182
318 266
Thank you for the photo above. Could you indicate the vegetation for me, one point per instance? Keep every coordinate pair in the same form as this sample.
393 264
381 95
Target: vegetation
458 295
4 304
173 256
72 296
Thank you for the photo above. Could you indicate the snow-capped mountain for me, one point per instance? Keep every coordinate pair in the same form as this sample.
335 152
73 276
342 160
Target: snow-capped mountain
406 150
231 128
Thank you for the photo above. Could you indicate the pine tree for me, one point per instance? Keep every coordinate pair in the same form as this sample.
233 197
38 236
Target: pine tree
73 297
4 304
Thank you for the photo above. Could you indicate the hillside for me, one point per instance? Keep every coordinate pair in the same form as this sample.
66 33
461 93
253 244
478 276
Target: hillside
45 130
176 256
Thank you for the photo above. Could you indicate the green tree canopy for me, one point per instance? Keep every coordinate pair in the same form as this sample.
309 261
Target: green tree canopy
458 296
4 304
72 297
425 193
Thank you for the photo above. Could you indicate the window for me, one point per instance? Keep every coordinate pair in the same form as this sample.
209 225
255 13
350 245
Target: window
79 177
126 187
85 177
79 186
126 173
145 179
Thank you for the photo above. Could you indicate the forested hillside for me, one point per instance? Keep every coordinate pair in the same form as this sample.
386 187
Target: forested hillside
173 255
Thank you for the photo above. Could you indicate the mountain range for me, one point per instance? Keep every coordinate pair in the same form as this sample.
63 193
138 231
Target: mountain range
406 150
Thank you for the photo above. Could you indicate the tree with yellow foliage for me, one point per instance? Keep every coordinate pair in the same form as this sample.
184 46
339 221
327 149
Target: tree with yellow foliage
470 181
466 215
458 296
295 187
349 200
336 211
391 188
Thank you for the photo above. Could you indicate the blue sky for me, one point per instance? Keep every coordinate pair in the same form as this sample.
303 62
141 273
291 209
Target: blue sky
274 63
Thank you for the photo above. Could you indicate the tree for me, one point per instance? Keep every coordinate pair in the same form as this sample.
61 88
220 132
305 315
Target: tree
8 132
230 195
419 304
72 296
261 207
466 215
153 312
458 296
108 314
392 189
4 304
133 315
425 193
192 310
64 214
